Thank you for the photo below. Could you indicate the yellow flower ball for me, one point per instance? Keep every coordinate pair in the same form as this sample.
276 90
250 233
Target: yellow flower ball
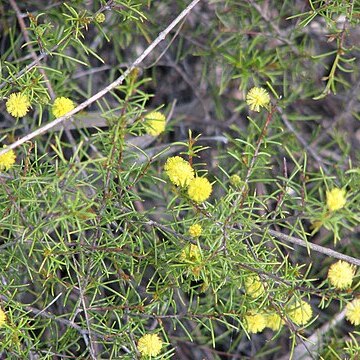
336 199
274 321
155 123
300 312
341 274
2 317
235 180
17 105
257 97
100 18
195 230
62 106
255 322
7 160
179 171
191 253
199 189
150 345
353 312
253 286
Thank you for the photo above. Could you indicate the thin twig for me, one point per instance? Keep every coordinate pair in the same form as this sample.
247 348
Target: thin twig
31 48
239 200
314 247
303 142
278 235
108 88
280 33
315 340
26 69
48 305
90 340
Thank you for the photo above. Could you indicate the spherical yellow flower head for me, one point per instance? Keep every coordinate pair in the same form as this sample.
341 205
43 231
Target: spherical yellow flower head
2 317
179 171
61 106
155 123
353 312
199 189
255 322
274 321
341 274
257 97
7 160
100 18
191 253
235 180
300 312
195 230
17 105
254 287
150 345
336 199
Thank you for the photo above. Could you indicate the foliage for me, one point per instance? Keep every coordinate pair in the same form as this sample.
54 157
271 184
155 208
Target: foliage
101 247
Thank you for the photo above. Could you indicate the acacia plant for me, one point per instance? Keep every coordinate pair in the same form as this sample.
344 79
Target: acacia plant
179 179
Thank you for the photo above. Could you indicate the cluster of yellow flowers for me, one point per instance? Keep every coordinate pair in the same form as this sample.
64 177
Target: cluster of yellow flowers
7 160
274 321
179 171
155 123
257 322
18 105
182 174
2 317
353 312
336 199
195 230
299 312
257 97
199 189
100 18
254 287
235 181
61 106
191 253
150 345
341 274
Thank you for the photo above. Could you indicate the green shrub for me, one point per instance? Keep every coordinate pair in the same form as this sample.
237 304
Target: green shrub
229 231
